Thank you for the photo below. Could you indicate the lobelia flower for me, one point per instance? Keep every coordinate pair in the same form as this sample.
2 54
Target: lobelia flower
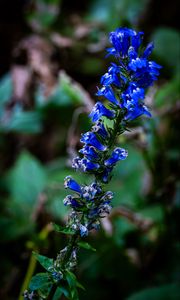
89 138
123 86
99 110
117 154
100 129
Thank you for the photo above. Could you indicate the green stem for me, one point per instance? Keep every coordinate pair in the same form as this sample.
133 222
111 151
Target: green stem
74 239
29 274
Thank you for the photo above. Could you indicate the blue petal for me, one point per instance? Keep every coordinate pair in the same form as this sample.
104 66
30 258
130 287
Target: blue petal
100 129
89 151
148 50
108 93
70 183
100 110
117 154
90 138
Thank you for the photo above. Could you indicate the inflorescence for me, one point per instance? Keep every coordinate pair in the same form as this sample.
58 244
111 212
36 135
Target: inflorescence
123 89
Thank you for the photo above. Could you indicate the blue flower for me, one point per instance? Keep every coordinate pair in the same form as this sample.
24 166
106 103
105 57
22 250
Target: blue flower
122 39
112 76
137 63
100 110
90 138
132 96
83 230
70 183
89 151
117 154
69 200
105 176
148 50
91 191
136 112
108 93
100 129
84 164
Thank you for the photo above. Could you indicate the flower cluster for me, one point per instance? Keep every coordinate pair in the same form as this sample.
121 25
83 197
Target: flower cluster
123 87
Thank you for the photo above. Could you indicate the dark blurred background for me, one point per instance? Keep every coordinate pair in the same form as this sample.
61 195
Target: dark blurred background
52 56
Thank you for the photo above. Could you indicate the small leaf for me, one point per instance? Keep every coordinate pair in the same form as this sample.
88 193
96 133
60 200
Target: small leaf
61 290
46 262
62 229
86 245
72 282
39 281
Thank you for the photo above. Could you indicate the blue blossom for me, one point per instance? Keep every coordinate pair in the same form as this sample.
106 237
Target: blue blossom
90 152
84 164
112 76
122 39
91 191
83 230
108 93
70 183
137 111
69 200
105 176
100 110
117 154
100 129
89 138
148 50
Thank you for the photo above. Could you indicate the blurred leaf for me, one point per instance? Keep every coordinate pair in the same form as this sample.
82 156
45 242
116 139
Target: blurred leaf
39 281
113 13
169 91
86 245
67 92
127 180
24 122
154 212
25 181
46 262
72 281
6 89
167 47
44 14
62 229
165 292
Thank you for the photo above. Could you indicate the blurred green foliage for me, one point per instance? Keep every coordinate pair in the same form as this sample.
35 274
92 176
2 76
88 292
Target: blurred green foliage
138 248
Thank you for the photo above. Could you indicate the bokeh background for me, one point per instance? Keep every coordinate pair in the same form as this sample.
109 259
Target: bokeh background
51 57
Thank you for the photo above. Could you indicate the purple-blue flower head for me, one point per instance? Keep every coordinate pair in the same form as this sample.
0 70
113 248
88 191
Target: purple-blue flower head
99 110
122 39
100 129
90 152
89 138
84 164
108 93
117 154
70 183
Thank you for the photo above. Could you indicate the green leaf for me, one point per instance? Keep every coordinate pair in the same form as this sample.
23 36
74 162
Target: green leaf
66 93
24 122
25 181
39 281
46 262
164 292
167 47
6 89
86 245
61 290
72 282
62 229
